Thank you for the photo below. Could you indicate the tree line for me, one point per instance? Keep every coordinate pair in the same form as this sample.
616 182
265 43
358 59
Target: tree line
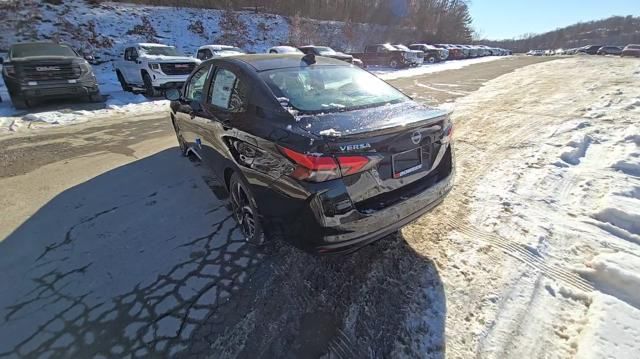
615 30
430 20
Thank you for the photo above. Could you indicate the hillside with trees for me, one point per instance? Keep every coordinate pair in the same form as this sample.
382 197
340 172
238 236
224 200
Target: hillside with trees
427 20
616 30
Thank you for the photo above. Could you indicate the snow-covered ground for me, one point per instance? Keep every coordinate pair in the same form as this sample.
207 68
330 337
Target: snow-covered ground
549 179
391 74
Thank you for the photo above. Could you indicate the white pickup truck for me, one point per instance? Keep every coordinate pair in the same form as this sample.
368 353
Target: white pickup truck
152 68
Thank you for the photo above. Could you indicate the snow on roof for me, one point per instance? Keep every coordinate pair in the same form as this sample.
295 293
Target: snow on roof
216 47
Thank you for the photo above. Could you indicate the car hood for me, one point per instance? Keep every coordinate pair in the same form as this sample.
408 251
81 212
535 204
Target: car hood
46 58
377 119
163 58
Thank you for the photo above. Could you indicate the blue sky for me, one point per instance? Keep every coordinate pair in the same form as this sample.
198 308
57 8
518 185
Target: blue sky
500 19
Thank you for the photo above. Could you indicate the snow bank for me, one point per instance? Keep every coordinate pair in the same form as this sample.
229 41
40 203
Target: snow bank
616 274
611 331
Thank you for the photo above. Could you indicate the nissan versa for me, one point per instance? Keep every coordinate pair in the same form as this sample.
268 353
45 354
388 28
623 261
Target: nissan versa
313 149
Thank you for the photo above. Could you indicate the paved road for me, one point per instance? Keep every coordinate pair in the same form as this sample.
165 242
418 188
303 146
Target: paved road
114 245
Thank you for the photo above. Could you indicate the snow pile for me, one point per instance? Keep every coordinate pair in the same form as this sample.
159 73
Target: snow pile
612 330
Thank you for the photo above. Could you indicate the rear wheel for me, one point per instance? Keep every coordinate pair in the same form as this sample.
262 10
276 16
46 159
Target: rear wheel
431 59
394 63
245 210
150 91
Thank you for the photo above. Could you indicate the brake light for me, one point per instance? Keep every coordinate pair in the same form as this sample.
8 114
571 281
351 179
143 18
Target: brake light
352 164
319 168
312 168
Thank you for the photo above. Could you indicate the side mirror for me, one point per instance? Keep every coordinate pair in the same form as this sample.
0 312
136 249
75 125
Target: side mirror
172 94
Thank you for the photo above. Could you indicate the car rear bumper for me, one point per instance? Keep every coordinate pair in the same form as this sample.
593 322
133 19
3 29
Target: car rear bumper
304 221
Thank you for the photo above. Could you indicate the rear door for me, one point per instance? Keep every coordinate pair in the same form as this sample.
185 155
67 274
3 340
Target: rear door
190 111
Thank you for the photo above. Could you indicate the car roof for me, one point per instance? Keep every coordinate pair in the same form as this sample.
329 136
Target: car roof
264 62
216 47
147 44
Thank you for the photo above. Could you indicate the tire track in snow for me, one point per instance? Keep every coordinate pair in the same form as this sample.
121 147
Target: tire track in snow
522 254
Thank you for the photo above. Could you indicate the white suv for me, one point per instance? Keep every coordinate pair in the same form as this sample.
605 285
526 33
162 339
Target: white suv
207 52
153 68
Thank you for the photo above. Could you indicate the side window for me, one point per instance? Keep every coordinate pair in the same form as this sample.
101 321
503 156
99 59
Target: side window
223 88
203 54
195 87
127 54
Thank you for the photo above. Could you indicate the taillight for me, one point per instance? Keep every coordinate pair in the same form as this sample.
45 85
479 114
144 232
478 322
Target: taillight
319 168
352 164
312 167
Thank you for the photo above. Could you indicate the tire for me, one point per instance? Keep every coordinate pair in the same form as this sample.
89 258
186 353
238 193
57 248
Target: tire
19 102
245 210
123 83
150 91
394 64
431 60
95 97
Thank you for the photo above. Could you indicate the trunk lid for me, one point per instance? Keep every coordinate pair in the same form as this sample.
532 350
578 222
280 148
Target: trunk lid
403 139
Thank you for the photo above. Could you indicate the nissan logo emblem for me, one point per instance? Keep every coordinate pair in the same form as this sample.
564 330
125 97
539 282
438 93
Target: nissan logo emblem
416 137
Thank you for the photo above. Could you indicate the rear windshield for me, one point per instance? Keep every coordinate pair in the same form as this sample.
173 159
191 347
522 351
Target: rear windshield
160 50
330 88
28 50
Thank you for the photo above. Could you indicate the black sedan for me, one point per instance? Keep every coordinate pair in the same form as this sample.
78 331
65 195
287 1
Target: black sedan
312 149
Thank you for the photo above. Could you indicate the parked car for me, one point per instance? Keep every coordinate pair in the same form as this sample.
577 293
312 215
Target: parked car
560 51
43 70
631 50
535 53
416 57
385 55
335 159
455 53
208 51
590 49
153 68
283 50
431 53
610 50
329 52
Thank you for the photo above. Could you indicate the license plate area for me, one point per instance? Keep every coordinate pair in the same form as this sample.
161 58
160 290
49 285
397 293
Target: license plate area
407 162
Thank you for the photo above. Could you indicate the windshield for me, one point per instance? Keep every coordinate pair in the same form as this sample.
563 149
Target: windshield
28 50
330 88
401 47
322 50
160 50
